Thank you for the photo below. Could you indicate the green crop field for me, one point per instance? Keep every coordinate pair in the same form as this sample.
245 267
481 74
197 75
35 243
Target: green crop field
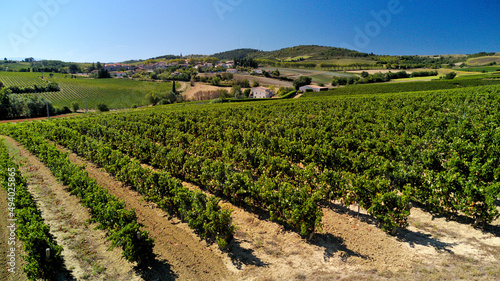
410 86
380 152
22 79
115 93
492 68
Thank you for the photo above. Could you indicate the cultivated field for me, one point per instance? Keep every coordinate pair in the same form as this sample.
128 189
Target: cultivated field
115 93
391 186
483 60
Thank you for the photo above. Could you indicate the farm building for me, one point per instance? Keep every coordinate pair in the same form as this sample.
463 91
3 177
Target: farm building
261 93
232 70
314 88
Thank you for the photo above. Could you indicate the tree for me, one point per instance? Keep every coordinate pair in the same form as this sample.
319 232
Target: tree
247 92
364 74
276 73
450 76
255 84
75 106
102 107
235 90
98 66
73 68
103 73
4 103
173 87
301 81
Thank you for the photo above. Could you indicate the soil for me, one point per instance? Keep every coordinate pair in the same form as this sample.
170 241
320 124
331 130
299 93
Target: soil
349 247
85 253
188 94
181 254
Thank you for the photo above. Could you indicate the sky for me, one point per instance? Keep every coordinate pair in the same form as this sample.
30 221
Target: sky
115 31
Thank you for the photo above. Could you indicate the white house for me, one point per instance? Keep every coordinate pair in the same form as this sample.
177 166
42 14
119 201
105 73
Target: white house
120 74
232 70
261 93
259 71
314 88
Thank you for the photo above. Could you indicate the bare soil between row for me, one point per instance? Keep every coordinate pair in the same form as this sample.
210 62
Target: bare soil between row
348 248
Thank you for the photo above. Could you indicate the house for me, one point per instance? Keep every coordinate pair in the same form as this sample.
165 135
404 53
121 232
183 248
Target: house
260 93
314 88
232 70
259 71
120 74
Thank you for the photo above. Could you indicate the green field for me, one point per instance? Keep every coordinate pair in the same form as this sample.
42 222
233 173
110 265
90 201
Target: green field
409 86
115 93
22 79
492 68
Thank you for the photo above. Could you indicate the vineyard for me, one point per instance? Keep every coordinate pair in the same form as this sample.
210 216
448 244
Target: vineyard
414 86
22 79
287 160
116 93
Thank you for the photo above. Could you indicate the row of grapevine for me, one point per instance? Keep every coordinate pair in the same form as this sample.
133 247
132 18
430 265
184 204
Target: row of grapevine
383 88
402 142
201 212
105 209
30 226
21 80
284 199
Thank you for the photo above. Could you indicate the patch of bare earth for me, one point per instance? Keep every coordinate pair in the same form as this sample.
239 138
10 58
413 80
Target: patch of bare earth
180 253
198 87
86 251
265 81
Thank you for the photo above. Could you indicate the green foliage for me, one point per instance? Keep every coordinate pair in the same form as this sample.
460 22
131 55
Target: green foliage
450 76
31 228
104 208
301 81
383 88
75 106
102 107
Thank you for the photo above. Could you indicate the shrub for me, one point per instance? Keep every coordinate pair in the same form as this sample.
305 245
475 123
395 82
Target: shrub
102 107
75 106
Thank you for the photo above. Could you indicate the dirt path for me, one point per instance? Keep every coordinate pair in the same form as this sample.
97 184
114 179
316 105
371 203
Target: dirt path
180 253
85 251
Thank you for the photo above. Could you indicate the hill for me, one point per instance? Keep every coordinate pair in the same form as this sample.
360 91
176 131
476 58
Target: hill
297 53
483 60
237 53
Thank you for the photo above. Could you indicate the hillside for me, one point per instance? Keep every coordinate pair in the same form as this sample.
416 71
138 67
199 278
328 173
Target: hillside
297 53
483 60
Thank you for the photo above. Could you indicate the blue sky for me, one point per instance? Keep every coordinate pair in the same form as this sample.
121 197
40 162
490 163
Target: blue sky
112 30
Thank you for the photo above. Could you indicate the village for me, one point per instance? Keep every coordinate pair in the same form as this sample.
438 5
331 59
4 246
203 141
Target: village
202 69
